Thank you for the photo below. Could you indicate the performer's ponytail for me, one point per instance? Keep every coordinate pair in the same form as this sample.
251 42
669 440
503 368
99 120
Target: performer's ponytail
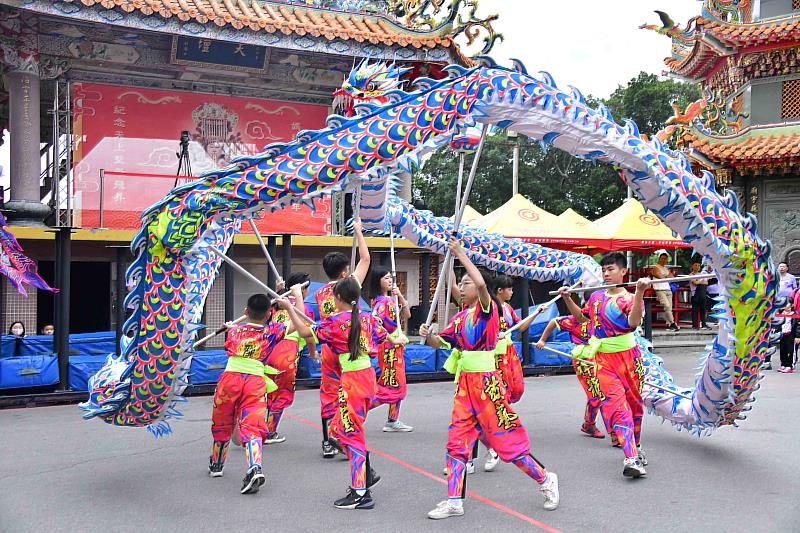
348 290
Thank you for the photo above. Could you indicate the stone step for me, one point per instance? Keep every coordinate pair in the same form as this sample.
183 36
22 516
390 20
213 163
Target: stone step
694 345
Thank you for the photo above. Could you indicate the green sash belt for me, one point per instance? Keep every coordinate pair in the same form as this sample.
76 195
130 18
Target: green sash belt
245 365
619 343
469 361
361 362
502 345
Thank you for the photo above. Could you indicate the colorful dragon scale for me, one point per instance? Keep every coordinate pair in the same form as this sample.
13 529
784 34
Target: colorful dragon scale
175 249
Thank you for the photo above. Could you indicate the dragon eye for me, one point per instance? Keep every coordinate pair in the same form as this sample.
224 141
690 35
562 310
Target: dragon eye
372 86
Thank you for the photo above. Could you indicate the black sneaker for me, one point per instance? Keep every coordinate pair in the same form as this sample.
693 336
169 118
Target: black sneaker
253 480
705 327
673 327
354 501
215 469
274 438
372 478
328 451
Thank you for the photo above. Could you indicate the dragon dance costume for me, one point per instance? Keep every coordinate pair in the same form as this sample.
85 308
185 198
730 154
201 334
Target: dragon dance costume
619 371
357 387
585 372
392 381
507 358
481 409
241 391
284 358
330 369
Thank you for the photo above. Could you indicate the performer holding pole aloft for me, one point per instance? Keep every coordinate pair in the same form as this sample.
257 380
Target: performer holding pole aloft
353 337
390 308
448 258
284 358
337 266
613 315
480 406
242 387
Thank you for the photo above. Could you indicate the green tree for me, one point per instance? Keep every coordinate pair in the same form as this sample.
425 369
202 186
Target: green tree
552 179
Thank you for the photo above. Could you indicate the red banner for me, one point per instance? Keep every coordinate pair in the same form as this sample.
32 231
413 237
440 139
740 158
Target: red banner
133 134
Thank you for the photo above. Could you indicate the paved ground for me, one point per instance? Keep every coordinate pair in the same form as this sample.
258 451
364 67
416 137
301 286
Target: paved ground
60 473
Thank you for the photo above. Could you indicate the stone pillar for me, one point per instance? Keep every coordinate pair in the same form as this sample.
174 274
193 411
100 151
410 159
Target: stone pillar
25 204
19 53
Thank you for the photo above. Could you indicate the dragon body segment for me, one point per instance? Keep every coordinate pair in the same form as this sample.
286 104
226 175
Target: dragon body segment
181 235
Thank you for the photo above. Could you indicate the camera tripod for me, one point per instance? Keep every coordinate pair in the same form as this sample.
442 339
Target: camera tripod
184 165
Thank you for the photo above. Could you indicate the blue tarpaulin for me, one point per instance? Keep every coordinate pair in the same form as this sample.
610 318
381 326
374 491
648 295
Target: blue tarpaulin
419 358
28 371
207 366
82 368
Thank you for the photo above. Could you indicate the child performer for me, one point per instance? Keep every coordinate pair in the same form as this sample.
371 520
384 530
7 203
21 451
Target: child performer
353 337
584 371
337 267
392 381
284 359
506 357
480 408
613 315
242 387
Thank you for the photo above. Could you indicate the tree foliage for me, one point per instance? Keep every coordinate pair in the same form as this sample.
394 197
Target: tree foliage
552 179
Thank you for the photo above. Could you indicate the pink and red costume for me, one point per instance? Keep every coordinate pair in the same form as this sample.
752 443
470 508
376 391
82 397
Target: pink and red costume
507 358
331 371
284 358
481 409
392 381
357 386
242 387
620 373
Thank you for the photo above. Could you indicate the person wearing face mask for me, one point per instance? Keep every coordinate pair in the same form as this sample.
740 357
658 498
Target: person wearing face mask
17 328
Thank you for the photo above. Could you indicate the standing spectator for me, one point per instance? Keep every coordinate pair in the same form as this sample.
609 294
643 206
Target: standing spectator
48 329
698 288
663 290
17 328
712 289
787 341
787 283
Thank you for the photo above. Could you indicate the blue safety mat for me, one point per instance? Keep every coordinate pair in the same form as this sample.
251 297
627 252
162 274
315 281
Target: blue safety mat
35 345
98 343
545 358
441 357
82 368
419 358
8 345
307 367
28 371
207 366
539 323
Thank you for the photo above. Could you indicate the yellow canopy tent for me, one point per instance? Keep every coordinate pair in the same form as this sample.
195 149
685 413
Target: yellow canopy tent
629 227
573 217
470 215
521 219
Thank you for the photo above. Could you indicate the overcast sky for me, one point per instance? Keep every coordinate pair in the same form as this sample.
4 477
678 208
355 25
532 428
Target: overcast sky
592 45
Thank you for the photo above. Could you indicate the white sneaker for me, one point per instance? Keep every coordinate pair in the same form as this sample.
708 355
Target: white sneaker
642 457
549 490
492 460
633 467
445 510
397 427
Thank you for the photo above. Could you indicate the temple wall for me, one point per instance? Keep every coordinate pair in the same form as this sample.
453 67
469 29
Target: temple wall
779 217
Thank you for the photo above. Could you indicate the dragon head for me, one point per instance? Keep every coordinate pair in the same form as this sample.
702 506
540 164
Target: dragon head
368 82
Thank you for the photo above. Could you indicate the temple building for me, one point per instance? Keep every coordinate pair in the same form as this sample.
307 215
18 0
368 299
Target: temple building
746 128
111 103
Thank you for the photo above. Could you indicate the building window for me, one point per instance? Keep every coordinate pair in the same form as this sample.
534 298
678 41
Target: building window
790 98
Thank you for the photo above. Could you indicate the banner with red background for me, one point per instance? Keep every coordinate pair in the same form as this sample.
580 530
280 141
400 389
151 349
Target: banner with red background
132 134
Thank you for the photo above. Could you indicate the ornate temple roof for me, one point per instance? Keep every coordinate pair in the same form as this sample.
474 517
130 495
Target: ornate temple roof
708 39
757 146
273 16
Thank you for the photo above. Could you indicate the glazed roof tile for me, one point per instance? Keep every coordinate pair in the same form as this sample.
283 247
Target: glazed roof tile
750 148
272 17
780 30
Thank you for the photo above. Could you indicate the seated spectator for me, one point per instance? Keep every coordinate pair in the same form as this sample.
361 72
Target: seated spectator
48 329
17 328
